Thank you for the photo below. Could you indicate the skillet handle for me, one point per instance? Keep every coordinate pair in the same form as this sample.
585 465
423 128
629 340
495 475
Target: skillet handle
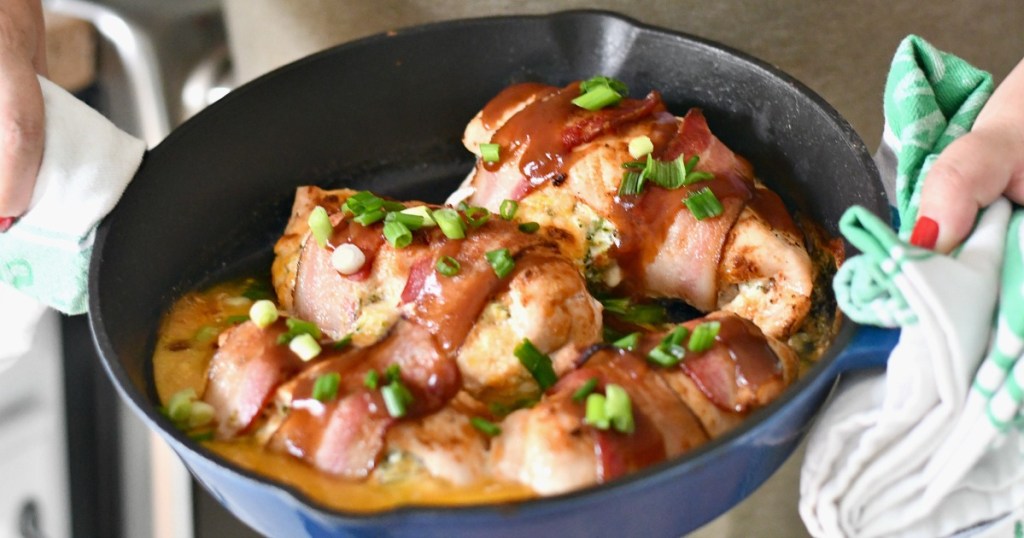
869 348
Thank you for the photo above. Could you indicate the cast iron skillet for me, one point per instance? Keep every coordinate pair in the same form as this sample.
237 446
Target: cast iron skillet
386 113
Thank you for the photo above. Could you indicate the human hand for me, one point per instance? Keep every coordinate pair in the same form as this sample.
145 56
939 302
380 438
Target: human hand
975 170
22 119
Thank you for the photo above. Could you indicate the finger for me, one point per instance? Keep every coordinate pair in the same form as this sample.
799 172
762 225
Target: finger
969 174
22 124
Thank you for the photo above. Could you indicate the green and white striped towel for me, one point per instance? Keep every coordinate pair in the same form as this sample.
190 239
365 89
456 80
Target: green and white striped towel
932 446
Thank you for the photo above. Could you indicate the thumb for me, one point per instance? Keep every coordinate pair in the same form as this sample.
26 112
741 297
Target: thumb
968 175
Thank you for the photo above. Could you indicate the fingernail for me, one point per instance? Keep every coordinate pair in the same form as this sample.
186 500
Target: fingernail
925 234
6 223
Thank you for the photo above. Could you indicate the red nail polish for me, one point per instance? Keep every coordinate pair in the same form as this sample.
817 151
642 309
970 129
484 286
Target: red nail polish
6 223
925 234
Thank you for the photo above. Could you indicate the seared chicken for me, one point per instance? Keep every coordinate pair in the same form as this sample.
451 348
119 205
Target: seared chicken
566 170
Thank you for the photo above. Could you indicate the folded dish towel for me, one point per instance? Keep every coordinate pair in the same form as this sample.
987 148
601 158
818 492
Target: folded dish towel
44 257
932 446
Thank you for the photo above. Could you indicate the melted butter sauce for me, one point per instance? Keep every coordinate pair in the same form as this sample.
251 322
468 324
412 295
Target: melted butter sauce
181 360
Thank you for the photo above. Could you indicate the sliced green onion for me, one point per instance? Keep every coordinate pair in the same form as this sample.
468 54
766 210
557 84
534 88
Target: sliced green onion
538 364
596 413
344 342
347 259
448 266
632 182
508 209
263 313
361 202
370 217
615 305
297 326
613 83
640 314
392 206
201 414
422 212
670 174
179 407
485 426
666 357
529 227
610 335
477 216
703 336
640 146
397 234
305 346
628 342
325 388
693 176
619 408
585 389
450 222
393 373
703 204
371 379
236 319
410 221
490 153
501 261
397 399
320 225
598 98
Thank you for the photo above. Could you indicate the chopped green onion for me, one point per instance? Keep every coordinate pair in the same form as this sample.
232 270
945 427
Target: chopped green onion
371 379
201 414
397 234
393 372
640 146
347 259
703 204
397 399
412 222
597 98
297 326
529 227
670 351
594 82
538 364
325 388
508 209
179 407
666 357
619 408
615 305
703 336
320 225
450 222
206 333
585 389
693 176
596 413
361 202
632 182
477 216
501 261
370 217
422 212
490 153
263 313
485 426
305 346
640 314
610 335
628 342
344 342
670 174
448 266
392 206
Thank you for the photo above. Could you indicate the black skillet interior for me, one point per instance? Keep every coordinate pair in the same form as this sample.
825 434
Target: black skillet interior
386 113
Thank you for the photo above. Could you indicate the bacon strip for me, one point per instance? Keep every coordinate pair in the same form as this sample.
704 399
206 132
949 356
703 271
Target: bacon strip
244 372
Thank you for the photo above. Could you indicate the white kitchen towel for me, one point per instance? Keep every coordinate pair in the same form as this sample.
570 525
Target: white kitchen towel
931 446
87 163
